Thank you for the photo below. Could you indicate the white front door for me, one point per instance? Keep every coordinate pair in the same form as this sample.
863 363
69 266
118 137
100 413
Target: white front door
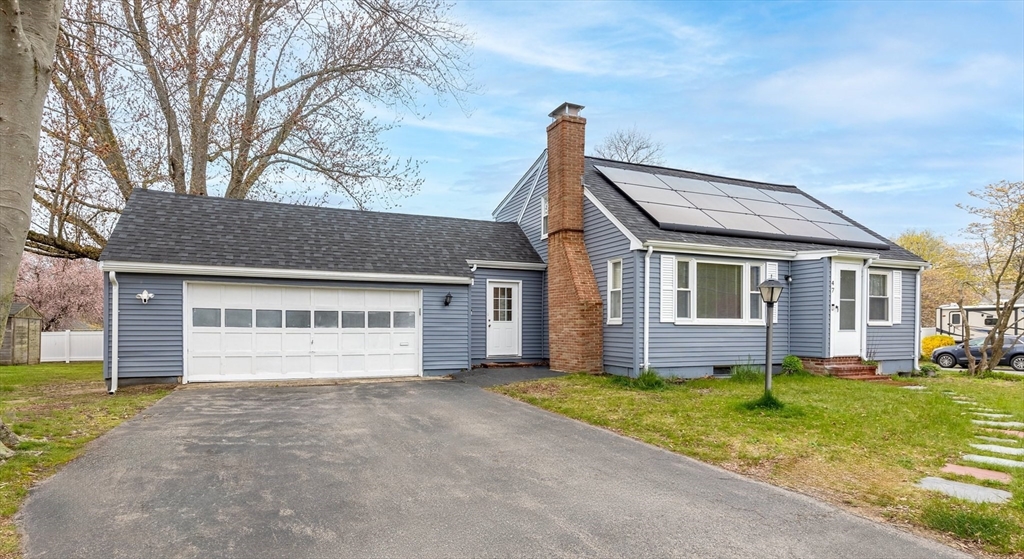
846 310
503 319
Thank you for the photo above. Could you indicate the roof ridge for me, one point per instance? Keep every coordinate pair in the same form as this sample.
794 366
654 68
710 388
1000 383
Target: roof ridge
324 208
662 167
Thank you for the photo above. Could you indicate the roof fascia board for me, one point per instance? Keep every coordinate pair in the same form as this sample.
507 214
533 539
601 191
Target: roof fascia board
902 264
697 248
634 242
276 273
507 265
529 195
522 181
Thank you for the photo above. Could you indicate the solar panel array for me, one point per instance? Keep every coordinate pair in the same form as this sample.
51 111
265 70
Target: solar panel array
685 204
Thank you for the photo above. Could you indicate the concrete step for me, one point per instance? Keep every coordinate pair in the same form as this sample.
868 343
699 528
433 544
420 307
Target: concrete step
997 440
999 449
979 473
965 491
1000 424
992 460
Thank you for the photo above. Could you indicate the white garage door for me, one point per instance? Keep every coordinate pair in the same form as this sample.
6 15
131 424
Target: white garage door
255 332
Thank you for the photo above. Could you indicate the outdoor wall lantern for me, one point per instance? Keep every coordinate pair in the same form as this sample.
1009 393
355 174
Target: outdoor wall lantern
448 299
145 296
771 291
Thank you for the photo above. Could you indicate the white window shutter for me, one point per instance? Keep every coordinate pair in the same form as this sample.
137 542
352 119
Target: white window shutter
897 297
771 271
668 288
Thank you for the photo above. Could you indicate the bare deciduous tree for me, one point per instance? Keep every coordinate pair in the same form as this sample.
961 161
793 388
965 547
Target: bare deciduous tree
632 146
998 241
29 32
950 271
270 99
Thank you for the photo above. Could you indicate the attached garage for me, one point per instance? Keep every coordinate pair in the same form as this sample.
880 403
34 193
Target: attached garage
260 332
203 289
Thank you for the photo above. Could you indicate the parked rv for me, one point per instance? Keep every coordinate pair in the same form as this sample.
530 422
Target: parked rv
950 320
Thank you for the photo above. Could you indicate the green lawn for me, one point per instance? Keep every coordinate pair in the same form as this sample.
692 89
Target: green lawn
58 408
858 444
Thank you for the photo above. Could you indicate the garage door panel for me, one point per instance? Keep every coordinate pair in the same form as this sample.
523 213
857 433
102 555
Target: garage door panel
263 348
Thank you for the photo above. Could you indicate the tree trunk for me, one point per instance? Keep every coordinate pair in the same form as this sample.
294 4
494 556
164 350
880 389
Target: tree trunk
28 35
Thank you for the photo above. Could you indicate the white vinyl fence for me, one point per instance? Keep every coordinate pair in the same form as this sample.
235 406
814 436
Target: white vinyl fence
68 346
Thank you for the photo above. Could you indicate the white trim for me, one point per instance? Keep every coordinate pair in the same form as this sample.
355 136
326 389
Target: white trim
647 307
917 318
608 292
902 264
518 185
667 289
489 308
184 332
544 211
758 253
497 264
896 313
889 296
115 310
276 273
634 242
745 292
529 195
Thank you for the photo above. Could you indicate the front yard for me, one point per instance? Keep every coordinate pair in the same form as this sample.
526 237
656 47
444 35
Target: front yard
857 444
56 409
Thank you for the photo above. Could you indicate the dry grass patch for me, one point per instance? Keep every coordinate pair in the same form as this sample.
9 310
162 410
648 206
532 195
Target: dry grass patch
861 445
56 408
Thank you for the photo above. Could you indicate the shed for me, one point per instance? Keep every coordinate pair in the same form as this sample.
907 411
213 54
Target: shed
22 336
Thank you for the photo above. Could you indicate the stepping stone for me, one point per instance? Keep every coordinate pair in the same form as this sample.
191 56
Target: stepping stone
980 473
996 440
997 423
965 403
1008 432
999 449
914 387
966 491
992 415
994 461
983 410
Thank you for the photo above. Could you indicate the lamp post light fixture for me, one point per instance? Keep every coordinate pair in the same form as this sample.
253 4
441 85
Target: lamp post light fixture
771 291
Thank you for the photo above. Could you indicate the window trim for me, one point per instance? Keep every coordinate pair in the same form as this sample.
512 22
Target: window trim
544 216
608 290
888 296
689 289
745 288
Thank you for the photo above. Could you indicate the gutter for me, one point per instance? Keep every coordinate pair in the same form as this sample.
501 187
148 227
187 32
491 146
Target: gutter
647 306
114 309
866 308
917 319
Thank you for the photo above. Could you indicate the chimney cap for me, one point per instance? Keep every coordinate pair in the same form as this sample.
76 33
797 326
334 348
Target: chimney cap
570 109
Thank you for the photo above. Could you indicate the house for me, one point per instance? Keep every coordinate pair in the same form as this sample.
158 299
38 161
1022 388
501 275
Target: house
595 265
22 336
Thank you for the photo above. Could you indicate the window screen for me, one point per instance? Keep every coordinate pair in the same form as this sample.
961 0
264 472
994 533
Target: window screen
206 317
719 290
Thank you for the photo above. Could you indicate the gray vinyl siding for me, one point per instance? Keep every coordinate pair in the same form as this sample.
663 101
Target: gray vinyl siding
530 223
893 346
533 319
511 210
151 335
605 242
809 297
694 350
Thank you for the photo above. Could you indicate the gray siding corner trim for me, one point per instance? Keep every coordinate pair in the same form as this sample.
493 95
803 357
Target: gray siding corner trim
533 322
151 336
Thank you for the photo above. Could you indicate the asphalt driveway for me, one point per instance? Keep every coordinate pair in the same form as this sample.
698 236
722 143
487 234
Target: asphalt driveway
414 469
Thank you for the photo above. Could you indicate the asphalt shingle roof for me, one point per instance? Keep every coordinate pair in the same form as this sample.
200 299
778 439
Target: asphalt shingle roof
627 212
166 228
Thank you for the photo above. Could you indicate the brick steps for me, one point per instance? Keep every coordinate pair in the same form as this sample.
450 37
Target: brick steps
849 367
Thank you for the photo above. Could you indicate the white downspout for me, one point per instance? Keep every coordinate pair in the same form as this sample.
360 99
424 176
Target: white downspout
865 307
917 318
114 307
647 305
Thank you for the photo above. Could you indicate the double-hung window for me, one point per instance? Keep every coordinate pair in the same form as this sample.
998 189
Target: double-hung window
879 298
615 292
711 291
683 291
719 291
754 295
544 217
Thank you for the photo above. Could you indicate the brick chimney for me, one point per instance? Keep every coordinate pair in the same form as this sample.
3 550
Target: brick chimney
574 302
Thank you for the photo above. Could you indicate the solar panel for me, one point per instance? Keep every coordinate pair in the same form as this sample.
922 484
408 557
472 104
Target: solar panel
690 185
686 204
657 195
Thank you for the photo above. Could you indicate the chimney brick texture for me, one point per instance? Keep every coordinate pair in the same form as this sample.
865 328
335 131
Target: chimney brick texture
575 313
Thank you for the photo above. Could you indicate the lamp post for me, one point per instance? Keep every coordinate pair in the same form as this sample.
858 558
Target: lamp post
771 291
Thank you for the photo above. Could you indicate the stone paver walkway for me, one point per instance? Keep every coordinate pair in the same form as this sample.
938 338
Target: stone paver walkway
966 491
978 473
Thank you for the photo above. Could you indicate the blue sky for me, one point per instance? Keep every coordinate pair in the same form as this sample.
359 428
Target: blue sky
890 111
